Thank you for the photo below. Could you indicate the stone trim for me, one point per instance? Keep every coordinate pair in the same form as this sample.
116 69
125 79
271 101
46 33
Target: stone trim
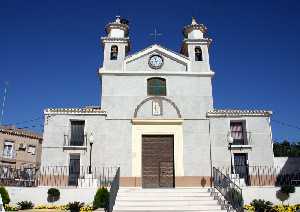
81 111
153 98
238 113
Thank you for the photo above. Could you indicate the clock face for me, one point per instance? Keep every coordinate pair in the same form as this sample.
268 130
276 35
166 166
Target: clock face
156 61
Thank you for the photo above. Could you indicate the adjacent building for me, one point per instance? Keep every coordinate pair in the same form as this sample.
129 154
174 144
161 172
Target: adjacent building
157 120
19 148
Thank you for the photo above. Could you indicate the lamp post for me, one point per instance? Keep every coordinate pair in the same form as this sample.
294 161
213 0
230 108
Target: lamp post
91 140
230 141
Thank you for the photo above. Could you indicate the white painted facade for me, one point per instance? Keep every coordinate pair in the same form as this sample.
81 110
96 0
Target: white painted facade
126 113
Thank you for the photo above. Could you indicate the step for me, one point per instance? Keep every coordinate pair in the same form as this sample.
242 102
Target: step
164 197
177 190
166 203
200 210
171 208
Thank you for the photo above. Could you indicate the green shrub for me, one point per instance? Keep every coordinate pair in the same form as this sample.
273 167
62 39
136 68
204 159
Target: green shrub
5 196
10 208
53 195
75 206
261 205
101 198
287 189
235 198
23 205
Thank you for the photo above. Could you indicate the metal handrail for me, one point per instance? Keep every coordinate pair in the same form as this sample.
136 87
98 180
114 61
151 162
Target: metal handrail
229 190
114 188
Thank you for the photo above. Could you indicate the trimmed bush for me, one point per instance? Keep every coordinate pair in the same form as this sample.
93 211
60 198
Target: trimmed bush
287 189
101 198
261 205
25 205
75 206
53 195
5 196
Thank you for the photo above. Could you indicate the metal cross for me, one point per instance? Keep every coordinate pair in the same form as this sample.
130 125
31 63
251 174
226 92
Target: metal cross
155 34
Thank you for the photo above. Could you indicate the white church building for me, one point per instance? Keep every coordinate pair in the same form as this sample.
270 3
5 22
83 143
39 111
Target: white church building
157 120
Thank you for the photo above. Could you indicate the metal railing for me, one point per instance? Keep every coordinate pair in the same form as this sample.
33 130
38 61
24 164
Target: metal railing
17 176
262 175
246 140
228 189
70 141
114 188
57 176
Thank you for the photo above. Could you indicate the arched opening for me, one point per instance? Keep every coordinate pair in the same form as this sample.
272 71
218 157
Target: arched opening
198 54
156 87
114 52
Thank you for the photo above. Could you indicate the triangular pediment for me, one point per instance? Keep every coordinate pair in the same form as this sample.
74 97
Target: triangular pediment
173 61
156 49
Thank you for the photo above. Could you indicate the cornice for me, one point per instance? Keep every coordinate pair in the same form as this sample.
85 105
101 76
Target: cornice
238 113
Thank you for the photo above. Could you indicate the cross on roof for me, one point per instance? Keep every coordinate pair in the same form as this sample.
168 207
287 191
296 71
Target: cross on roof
155 34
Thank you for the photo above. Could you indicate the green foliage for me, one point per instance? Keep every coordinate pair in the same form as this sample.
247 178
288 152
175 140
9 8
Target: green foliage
10 208
287 189
53 195
5 196
101 198
75 206
235 198
261 205
23 205
286 149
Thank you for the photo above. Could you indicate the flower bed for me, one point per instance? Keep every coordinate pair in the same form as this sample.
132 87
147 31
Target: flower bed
277 208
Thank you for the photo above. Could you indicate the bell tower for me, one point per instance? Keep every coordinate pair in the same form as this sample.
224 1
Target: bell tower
116 44
195 46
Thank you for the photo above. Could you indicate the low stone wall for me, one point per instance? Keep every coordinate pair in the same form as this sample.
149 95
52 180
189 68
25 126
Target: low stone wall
38 195
268 193
288 164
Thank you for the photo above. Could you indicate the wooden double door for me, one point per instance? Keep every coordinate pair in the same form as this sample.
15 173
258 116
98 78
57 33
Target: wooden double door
158 161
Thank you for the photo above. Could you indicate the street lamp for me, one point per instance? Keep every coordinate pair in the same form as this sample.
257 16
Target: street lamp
230 141
91 140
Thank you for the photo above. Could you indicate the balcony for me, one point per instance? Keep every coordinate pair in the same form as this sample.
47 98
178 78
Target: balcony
243 143
8 156
75 143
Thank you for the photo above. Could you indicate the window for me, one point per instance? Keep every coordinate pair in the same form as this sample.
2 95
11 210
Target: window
77 133
237 132
31 149
156 87
198 54
8 150
114 53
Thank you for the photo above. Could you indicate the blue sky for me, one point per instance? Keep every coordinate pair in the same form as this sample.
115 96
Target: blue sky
50 52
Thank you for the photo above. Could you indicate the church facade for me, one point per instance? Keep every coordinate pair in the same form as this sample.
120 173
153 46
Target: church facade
157 121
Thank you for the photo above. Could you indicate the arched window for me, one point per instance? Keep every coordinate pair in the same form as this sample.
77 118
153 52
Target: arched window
156 87
198 54
114 53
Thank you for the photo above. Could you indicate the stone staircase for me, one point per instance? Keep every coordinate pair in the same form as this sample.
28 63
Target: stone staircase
177 199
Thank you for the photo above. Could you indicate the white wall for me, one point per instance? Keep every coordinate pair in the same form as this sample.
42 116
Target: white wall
38 195
268 193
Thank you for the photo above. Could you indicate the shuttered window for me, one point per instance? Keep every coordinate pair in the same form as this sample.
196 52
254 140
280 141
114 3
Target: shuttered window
77 133
156 87
237 132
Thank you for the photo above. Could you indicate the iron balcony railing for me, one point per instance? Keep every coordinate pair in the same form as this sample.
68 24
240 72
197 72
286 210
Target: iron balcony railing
71 141
245 140
228 189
